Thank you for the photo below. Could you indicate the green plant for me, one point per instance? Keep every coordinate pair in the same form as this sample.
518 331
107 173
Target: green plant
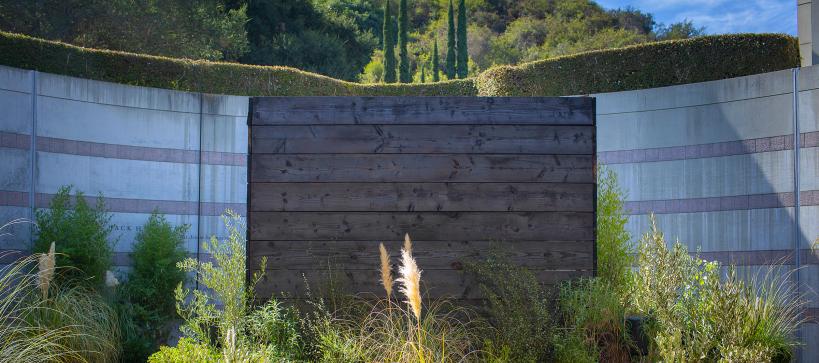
614 254
647 65
700 315
462 58
81 234
436 68
91 323
516 305
146 303
23 340
450 43
404 75
592 320
237 330
389 46
186 351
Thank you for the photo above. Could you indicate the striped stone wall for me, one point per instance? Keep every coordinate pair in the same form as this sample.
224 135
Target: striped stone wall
715 162
142 148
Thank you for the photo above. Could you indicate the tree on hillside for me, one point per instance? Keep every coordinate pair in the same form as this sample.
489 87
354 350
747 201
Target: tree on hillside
450 42
389 48
198 29
462 62
295 33
435 67
404 75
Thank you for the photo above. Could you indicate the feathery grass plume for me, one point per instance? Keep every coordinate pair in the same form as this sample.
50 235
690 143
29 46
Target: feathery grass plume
386 271
46 271
407 243
410 279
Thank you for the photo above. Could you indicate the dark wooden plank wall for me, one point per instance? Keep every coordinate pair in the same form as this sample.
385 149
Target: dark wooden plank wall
330 177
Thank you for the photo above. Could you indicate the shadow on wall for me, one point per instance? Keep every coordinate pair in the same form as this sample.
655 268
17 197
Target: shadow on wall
714 161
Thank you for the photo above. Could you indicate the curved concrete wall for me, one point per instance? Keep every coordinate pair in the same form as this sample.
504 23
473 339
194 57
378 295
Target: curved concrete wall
142 148
714 160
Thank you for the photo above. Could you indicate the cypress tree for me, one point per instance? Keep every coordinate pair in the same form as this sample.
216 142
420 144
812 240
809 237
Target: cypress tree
423 76
389 47
450 43
404 75
463 56
435 76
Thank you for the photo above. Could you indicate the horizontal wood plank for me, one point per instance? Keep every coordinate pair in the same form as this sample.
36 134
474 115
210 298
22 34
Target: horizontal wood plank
434 283
455 226
421 168
421 197
431 255
432 139
422 110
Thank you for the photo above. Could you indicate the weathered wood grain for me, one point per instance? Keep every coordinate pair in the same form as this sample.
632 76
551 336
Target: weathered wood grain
421 197
432 139
431 255
330 177
434 283
465 226
422 110
422 168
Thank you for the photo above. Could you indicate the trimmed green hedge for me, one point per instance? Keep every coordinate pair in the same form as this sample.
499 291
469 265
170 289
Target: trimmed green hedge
647 65
642 66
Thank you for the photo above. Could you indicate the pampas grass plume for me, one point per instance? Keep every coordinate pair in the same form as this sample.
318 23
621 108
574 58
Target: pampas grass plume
407 243
46 270
410 279
386 270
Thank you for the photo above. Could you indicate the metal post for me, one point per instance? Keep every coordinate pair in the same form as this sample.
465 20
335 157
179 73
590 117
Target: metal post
33 159
797 233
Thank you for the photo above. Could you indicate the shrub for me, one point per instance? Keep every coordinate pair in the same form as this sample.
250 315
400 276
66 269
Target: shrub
186 351
81 234
22 340
642 66
516 305
614 253
592 320
646 65
146 302
92 323
240 332
394 331
699 315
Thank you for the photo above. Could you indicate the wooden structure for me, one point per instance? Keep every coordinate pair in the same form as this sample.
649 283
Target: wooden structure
331 177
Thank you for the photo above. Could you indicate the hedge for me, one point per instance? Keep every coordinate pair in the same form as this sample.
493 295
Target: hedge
646 65
642 66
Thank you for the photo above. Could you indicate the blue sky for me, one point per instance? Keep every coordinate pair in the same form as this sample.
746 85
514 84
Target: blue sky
720 16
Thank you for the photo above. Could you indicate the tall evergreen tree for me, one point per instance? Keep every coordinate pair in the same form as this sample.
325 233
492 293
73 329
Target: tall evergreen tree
389 46
404 75
463 55
435 67
450 43
423 71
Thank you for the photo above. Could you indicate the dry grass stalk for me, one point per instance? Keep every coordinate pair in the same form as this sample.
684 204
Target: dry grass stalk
410 279
407 243
386 270
46 271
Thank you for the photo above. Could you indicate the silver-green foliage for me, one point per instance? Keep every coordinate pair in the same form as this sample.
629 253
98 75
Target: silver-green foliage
613 250
699 314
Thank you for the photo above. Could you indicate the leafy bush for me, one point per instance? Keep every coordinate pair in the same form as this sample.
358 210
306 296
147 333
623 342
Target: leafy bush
516 305
613 250
146 302
646 65
81 235
643 66
186 351
241 333
698 314
592 318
